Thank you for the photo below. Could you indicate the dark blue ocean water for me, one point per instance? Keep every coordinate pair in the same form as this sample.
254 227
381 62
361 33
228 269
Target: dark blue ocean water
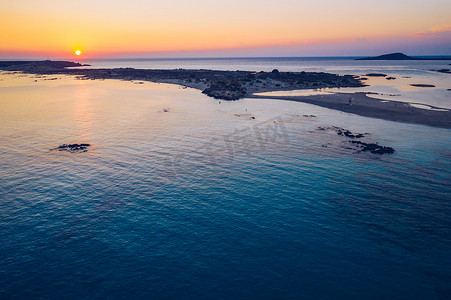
179 198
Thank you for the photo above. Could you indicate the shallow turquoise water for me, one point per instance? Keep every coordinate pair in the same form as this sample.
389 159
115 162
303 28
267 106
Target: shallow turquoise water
202 201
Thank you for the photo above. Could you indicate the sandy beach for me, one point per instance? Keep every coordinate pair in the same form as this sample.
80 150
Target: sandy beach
361 104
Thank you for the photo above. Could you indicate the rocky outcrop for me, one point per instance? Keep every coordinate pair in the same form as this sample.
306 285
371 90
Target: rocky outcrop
376 75
342 131
359 146
225 90
445 71
373 148
73 148
423 85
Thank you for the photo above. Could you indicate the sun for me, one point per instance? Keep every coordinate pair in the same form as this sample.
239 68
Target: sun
78 52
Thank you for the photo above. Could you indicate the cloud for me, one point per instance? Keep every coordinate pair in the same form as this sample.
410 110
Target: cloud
433 30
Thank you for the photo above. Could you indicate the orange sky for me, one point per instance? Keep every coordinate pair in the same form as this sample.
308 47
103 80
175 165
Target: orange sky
107 28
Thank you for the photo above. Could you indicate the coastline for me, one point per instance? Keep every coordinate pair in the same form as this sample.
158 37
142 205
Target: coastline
234 85
365 106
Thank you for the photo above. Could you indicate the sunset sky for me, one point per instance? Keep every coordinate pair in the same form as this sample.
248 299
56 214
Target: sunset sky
194 28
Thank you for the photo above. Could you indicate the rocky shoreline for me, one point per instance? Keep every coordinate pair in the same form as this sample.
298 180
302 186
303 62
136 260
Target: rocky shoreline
226 85
234 85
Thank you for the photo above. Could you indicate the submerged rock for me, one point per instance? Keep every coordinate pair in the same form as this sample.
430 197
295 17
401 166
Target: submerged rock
359 146
376 75
72 147
373 148
422 85
342 131
348 133
446 71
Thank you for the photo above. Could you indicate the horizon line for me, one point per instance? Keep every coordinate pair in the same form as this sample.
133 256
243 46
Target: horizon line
131 58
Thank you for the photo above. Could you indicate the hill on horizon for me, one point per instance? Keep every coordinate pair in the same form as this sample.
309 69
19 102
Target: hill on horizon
401 56
391 56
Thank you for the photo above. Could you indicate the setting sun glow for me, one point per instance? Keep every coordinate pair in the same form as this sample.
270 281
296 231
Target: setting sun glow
233 28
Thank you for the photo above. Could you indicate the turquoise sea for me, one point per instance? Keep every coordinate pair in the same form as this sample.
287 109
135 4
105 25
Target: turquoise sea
181 196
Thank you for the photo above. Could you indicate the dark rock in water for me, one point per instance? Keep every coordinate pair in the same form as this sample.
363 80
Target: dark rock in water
373 148
275 71
72 147
342 131
349 134
390 78
376 75
359 145
422 85
446 71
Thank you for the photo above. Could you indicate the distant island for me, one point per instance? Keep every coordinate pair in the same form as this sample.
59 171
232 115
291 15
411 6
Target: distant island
401 56
39 65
